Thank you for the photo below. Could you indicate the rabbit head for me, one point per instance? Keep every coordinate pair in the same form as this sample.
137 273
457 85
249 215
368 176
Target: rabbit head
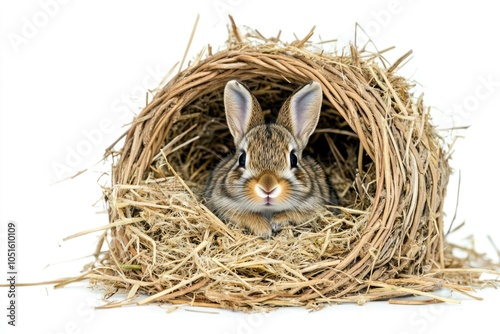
268 182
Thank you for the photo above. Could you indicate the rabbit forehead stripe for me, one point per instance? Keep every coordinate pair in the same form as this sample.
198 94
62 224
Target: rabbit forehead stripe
268 148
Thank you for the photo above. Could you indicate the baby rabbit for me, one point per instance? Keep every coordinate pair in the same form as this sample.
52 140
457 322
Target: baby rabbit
268 183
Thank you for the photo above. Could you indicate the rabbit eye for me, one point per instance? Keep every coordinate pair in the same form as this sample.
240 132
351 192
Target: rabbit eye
293 159
242 159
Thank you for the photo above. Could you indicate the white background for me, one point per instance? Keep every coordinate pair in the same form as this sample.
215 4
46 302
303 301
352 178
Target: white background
73 72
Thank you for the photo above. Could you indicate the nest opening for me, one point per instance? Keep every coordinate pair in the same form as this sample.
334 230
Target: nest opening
374 139
333 144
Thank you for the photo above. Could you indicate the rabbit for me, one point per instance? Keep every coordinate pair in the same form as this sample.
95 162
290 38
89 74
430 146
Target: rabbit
268 183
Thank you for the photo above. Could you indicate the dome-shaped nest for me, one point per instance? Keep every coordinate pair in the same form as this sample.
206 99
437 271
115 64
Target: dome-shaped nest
375 140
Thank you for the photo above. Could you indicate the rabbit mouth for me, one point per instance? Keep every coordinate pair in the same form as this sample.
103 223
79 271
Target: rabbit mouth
272 204
269 200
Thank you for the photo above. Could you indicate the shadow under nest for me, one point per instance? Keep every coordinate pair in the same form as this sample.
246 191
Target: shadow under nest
375 141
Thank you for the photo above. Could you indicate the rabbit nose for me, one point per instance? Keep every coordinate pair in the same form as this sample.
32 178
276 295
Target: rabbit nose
264 193
268 187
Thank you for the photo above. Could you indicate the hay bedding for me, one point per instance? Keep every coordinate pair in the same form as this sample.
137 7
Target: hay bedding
375 140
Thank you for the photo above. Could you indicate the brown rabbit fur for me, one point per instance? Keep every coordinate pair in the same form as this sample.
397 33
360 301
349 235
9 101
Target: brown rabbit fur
268 183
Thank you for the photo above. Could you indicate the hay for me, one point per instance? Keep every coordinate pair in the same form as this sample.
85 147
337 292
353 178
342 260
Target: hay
374 137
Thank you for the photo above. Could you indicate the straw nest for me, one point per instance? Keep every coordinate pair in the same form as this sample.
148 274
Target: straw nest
374 139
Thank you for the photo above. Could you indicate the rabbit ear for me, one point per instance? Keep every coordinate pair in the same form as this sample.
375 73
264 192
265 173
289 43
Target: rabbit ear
300 113
242 109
